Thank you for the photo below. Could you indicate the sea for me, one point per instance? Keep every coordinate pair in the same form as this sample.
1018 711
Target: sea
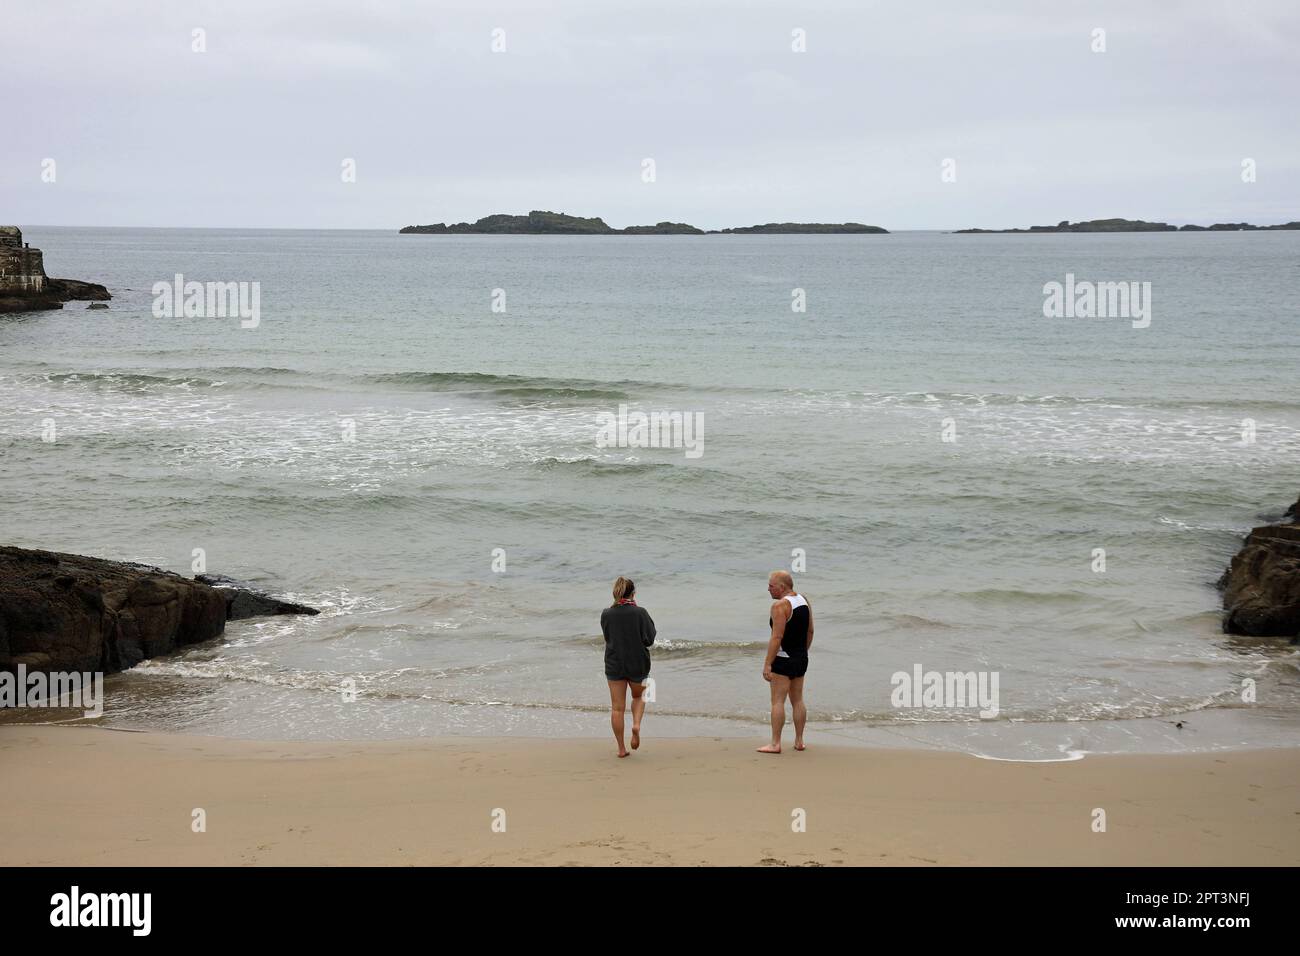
440 442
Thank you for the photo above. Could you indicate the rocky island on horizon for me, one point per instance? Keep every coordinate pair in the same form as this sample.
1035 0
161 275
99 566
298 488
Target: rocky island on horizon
1131 225
545 223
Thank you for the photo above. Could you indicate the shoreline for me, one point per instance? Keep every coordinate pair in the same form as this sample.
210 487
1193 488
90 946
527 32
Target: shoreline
1211 730
129 797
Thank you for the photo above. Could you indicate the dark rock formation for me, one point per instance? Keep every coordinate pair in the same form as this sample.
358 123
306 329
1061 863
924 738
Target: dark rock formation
1239 227
67 612
536 223
663 229
74 290
1261 588
244 601
539 223
24 286
1092 225
1128 225
803 228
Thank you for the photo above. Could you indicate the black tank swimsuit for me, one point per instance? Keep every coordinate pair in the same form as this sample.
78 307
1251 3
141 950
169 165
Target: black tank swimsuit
794 643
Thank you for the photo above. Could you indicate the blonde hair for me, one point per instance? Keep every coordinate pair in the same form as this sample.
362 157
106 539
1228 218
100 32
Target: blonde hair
623 589
782 578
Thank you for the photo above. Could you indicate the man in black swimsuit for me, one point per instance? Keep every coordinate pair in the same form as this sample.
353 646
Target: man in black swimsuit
786 663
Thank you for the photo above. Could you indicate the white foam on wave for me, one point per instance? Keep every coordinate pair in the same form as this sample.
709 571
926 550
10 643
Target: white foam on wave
1070 757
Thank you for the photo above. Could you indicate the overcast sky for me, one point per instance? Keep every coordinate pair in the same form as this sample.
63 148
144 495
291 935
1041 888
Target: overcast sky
144 131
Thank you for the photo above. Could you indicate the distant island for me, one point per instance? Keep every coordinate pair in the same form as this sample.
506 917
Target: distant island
804 227
542 223
1133 225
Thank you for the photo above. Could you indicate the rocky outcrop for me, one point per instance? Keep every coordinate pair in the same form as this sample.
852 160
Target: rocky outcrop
55 293
806 228
1238 227
74 290
1130 225
663 229
1092 225
537 223
1261 588
243 601
68 612
24 286
65 612
542 223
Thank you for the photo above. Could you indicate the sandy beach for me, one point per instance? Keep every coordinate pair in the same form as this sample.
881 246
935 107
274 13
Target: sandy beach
98 797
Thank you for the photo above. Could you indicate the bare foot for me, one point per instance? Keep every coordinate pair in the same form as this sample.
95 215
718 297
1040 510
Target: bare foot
798 745
623 753
636 737
770 749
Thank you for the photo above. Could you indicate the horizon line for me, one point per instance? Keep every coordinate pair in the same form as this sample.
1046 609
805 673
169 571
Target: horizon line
396 229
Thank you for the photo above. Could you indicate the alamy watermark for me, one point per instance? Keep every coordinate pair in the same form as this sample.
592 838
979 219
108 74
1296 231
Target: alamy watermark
950 690
208 300
635 429
129 910
1098 300
50 689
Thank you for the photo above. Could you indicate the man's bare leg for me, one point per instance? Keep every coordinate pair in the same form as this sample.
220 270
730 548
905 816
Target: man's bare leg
780 689
638 711
800 711
617 703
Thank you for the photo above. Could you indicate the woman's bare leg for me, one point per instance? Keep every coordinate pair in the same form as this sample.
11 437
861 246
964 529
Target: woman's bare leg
617 704
780 689
638 711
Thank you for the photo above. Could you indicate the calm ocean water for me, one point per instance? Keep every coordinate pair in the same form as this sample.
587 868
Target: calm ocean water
476 436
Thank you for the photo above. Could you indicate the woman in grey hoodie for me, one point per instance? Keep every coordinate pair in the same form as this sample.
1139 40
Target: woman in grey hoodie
629 632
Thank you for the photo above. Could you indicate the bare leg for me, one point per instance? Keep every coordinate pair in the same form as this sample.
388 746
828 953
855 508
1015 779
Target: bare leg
800 711
638 711
617 703
780 689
